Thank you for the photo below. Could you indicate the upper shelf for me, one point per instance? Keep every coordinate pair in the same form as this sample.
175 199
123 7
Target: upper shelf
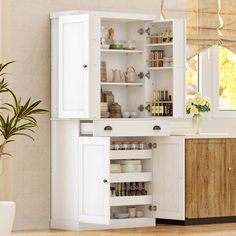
160 68
121 84
158 44
121 51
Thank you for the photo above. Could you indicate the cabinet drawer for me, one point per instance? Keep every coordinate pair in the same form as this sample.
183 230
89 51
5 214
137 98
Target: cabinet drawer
131 128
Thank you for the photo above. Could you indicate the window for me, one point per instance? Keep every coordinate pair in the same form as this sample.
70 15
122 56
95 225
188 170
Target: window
192 76
227 80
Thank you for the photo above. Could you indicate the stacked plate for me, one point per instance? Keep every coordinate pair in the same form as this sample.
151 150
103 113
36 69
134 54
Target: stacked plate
127 166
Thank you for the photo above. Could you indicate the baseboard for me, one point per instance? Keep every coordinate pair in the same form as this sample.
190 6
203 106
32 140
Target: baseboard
200 221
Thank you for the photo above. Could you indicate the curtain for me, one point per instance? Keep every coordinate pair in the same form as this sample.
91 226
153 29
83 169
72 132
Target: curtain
209 22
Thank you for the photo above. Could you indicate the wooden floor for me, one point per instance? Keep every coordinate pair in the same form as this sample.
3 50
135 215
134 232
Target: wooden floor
166 230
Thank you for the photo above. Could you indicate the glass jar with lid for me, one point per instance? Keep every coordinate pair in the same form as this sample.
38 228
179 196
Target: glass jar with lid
126 145
134 145
117 145
142 145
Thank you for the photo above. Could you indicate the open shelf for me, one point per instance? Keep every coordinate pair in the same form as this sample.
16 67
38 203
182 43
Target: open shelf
130 154
131 200
158 44
160 68
130 177
121 84
121 51
133 222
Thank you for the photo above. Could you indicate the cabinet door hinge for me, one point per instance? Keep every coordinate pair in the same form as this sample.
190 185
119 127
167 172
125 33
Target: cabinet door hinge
152 208
141 31
152 145
141 75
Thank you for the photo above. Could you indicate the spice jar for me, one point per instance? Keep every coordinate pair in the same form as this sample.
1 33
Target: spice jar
112 146
166 62
134 145
126 145
142 145
117 145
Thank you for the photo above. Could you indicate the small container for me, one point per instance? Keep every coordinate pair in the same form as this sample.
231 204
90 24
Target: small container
112 145
139 214
132 212
126 145
134 145
142 145
166 62
117 145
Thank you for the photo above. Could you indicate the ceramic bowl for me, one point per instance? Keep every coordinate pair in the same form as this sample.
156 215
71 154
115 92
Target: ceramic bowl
126 114
134 114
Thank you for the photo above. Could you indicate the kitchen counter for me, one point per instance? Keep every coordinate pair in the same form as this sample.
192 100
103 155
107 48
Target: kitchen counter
204 135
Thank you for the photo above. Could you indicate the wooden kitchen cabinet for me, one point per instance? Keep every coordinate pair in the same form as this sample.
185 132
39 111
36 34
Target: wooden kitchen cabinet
210 178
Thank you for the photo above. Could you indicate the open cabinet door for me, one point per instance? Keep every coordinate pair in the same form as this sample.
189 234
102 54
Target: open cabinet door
168 178
94 171
78 63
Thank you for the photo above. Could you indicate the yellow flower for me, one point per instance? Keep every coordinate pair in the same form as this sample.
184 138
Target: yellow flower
189 103
194 111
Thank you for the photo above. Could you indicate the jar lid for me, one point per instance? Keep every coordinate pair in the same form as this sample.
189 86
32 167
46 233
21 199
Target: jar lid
142 142
126 142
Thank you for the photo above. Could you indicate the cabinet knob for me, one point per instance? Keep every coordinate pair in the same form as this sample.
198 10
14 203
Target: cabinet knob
108 127
229 168
85 66
105 181
156 127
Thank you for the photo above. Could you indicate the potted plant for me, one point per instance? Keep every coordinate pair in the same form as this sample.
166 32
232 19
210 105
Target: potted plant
195 106
16 118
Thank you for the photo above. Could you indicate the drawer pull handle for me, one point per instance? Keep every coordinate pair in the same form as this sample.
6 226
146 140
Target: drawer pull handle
156 127
105 181
108 127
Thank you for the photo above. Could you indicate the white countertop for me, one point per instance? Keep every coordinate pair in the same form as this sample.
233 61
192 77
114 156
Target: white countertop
204 135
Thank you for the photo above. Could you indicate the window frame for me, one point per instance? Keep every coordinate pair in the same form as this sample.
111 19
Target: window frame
217 113
208 79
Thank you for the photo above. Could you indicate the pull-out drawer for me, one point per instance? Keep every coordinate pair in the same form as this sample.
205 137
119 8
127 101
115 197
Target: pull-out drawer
110 128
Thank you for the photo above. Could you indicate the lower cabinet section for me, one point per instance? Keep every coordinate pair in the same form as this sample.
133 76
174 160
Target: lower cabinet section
210 178
119 187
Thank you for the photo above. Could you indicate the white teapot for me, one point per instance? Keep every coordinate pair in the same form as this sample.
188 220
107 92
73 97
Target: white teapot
130 75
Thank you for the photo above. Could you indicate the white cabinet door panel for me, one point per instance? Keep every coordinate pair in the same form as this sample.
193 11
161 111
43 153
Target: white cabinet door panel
78 41
168 178
94 192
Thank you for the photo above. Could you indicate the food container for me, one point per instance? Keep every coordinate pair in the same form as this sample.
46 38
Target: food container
142 145
115 168
117 45
117 145
125 145
134 145
130 45
132 212
139 214
131 168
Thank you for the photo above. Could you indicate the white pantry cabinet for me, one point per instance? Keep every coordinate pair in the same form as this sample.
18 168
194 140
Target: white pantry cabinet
77 55
82 179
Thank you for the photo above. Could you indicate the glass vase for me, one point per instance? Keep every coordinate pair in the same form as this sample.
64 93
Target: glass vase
197 123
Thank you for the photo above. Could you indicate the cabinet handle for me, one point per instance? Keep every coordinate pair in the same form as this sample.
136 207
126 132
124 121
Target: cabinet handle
108 127
156 127
85 66
229 168
105 181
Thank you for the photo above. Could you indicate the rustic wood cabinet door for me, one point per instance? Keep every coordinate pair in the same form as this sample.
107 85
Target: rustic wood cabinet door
232 176
207 178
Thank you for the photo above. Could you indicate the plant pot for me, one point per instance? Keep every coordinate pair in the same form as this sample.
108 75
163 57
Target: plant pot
7 215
